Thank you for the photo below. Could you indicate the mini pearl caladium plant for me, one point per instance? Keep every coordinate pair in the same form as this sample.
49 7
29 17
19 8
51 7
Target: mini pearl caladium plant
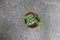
32 20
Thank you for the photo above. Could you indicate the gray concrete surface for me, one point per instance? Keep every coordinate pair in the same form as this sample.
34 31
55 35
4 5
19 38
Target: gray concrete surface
12 26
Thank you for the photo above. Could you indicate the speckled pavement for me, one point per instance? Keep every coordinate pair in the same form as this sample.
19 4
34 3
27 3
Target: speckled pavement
12 26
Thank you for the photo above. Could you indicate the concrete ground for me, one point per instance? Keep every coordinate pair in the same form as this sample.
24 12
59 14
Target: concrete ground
12 26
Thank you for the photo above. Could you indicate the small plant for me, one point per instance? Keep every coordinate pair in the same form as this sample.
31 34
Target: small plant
31 19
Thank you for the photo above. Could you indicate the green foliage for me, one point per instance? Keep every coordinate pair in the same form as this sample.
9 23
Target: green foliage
31 19
42 25
27 7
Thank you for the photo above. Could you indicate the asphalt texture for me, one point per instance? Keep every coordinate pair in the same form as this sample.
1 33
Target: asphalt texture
12 26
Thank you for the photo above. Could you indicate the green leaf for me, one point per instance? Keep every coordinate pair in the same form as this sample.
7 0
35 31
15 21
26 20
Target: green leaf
27 7
42 25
